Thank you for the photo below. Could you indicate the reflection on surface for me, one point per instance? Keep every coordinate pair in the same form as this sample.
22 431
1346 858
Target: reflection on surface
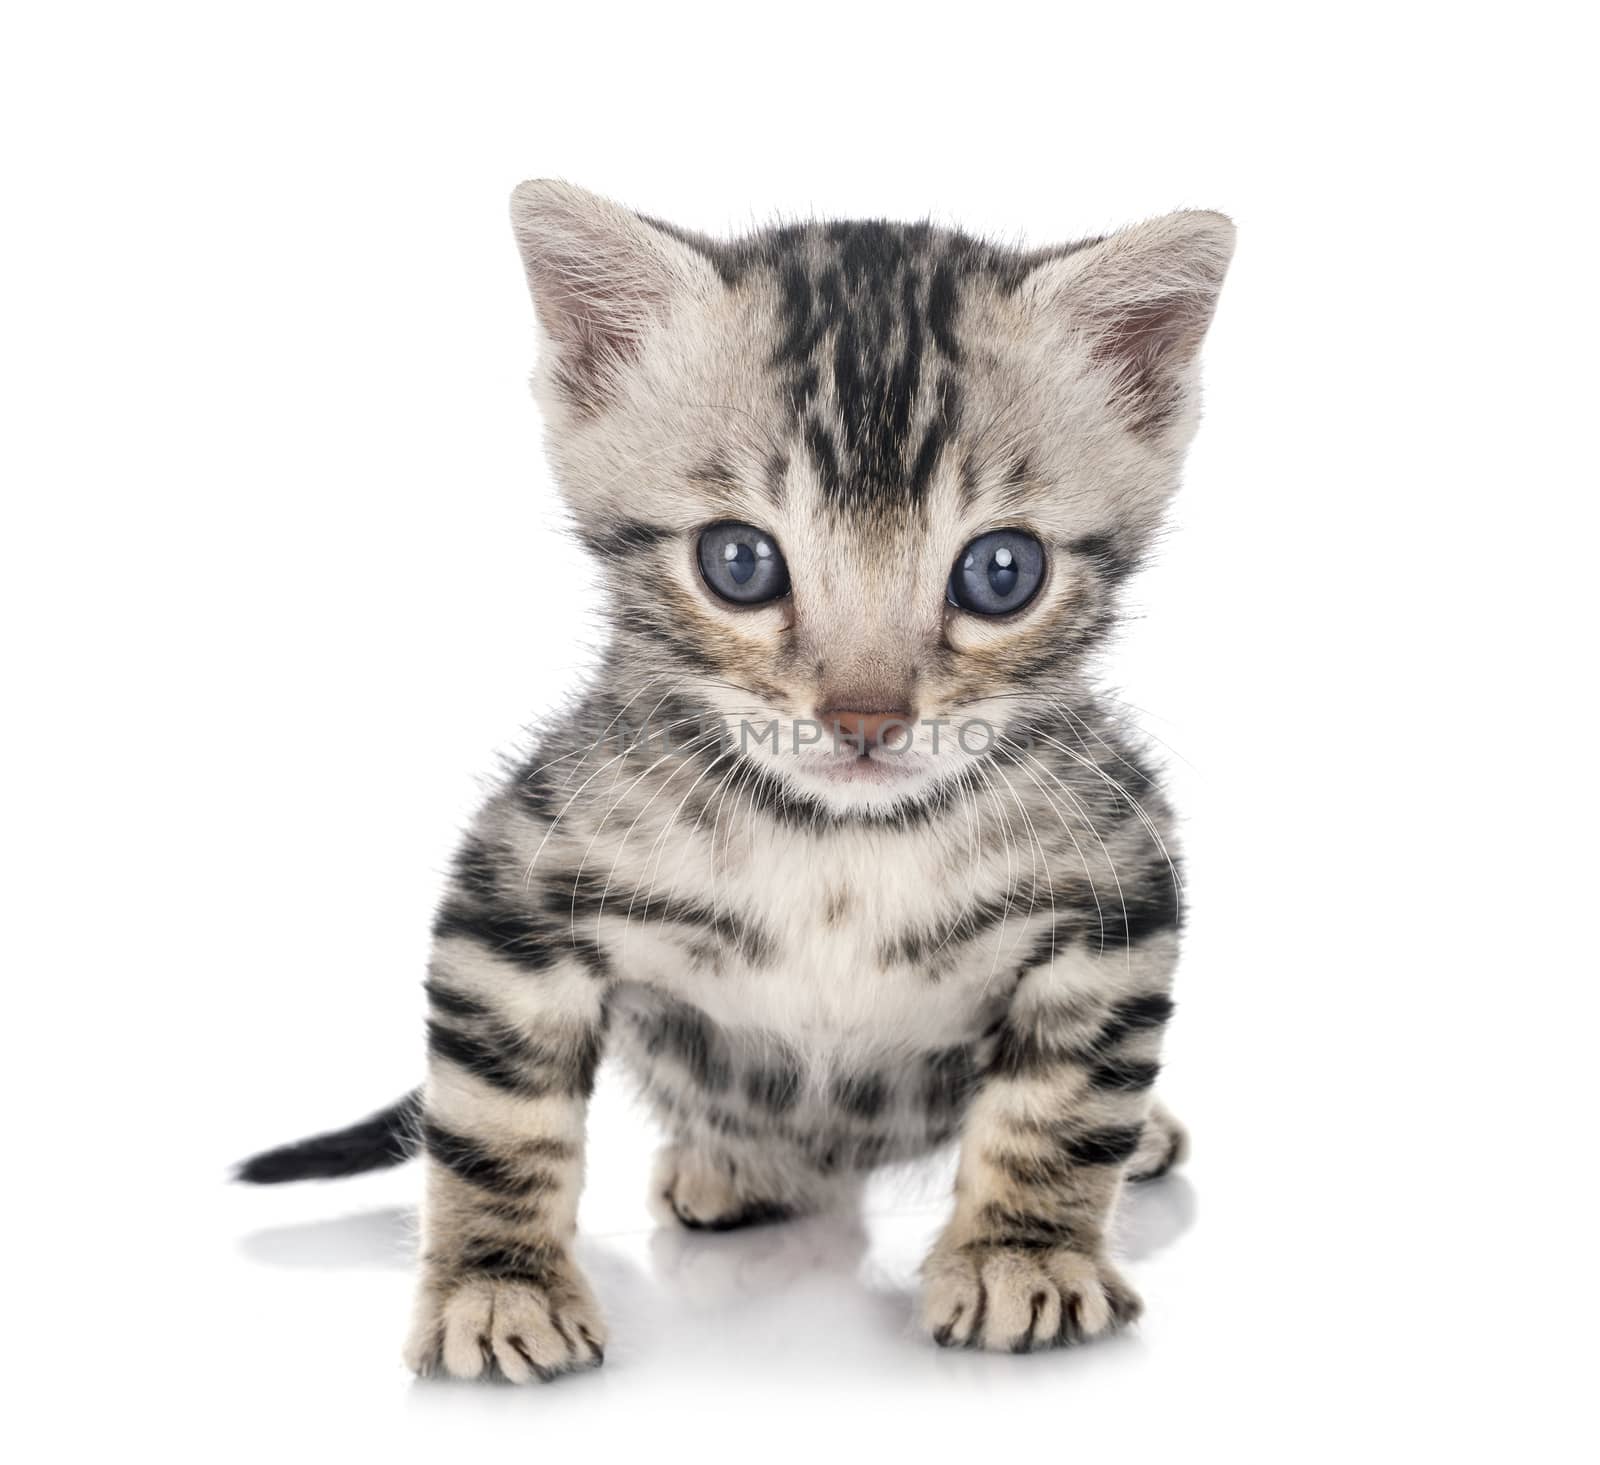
1152 1216
385 1237
706 1266
829 1297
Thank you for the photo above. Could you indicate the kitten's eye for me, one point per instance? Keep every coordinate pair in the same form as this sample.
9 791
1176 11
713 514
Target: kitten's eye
997 573
742 564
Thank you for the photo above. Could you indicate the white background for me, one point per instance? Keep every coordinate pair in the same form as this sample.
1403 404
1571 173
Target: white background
282 572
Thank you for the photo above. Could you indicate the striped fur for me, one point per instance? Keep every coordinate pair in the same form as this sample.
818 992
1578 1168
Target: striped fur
811 977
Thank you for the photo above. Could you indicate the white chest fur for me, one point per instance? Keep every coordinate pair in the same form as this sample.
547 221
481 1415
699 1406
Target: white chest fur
835 911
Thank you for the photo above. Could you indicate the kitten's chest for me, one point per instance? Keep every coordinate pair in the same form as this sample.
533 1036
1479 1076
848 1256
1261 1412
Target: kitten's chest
841 946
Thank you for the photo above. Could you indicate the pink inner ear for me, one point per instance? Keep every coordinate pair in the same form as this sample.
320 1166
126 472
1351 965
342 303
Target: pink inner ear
593 322
1148 343
1146 334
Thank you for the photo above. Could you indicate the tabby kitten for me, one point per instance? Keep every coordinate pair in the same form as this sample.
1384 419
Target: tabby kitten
840 855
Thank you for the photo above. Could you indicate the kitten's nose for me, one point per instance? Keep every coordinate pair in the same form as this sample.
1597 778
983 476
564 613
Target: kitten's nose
891 727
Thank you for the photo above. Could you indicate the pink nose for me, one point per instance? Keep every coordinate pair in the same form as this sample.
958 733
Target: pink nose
869 729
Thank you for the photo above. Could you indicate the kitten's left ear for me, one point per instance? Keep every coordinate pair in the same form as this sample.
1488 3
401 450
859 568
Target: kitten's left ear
1142 300
602 278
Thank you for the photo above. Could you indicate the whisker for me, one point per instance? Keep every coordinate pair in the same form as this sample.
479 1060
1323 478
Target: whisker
1111 864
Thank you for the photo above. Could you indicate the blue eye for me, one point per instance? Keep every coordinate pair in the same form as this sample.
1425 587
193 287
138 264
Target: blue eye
997 573
742 564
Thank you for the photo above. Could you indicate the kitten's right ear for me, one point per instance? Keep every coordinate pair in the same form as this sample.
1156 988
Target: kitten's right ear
601 278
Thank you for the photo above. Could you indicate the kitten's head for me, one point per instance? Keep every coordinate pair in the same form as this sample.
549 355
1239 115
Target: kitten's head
842 472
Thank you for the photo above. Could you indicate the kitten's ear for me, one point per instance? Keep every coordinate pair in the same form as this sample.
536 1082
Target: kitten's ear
1142 300
601 278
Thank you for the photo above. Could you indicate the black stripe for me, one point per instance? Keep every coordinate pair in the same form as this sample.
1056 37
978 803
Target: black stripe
863 1095
452 1002
1117 927
1002 1226
927 458
1104 552
686 1034
476 869
1031 1170
534 789
714 473
514 937
532 1262
1025 1052
469 1162
950 1078
803 330
917 946
775 1089
1128 1074
1138 916
942 310
634 621
777 469
497 1056
583 894
1135 1015
625 537
826 458
1109 1146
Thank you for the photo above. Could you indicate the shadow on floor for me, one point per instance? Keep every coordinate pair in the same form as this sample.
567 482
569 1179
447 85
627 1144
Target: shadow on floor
383 1239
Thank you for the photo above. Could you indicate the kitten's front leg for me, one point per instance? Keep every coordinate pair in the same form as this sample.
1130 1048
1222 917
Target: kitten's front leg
1022 1263
514 1038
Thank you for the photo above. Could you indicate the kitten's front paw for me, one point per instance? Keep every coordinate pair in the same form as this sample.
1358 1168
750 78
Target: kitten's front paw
528 1326
1011 1300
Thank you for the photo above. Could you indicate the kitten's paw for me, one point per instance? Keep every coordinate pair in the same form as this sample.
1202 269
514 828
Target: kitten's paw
1011 1300
695 1191
521 1328
1163 1144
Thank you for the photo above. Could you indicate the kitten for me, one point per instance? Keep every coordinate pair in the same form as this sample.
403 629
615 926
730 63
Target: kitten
840 855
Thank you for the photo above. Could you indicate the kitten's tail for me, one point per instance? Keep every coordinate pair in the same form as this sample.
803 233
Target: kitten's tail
390 1137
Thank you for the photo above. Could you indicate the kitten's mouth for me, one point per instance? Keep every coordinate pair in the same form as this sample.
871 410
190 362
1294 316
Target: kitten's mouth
866 768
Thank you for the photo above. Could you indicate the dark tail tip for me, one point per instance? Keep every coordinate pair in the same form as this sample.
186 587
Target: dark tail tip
387 1138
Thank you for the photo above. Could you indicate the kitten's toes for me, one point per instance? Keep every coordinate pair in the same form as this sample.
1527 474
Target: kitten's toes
1163 1144
515 1329
1013 1301
693 1190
